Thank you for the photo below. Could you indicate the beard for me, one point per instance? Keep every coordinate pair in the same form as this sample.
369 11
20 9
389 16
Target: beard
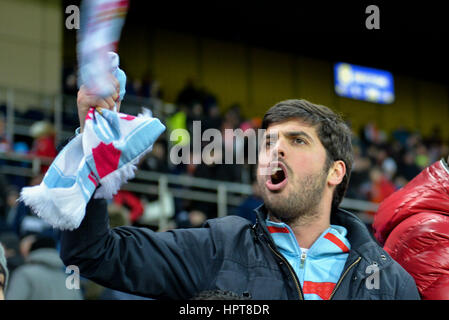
301 201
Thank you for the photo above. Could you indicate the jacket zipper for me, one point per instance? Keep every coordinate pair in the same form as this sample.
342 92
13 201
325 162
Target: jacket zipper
303 259
343 276
298 287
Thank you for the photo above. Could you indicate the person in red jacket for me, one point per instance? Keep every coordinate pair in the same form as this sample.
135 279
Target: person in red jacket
44 141
130 200
413 226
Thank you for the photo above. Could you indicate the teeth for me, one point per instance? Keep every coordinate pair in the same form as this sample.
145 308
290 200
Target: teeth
274 170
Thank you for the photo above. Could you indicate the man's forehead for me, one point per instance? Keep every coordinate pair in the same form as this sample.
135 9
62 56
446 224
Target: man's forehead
290 125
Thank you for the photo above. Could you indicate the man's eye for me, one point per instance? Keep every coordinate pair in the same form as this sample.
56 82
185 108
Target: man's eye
299 141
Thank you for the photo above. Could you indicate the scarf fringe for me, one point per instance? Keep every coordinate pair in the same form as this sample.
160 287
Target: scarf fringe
41 200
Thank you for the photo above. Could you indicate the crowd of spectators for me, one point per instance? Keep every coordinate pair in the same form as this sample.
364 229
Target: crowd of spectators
383 163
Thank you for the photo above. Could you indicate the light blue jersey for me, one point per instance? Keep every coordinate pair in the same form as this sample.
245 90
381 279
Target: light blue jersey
318 268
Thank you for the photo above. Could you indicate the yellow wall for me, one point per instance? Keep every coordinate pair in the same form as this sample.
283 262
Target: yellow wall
175 58
258 78
223 70
30 44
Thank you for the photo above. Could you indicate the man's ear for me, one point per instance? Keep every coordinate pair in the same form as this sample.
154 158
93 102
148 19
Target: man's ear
336 173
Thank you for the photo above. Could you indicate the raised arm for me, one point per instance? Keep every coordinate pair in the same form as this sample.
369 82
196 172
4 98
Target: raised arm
173 264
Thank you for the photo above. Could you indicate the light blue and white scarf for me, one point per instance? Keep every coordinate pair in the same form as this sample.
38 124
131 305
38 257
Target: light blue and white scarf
95 163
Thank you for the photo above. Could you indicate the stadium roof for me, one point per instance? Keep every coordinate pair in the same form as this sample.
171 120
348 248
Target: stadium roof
411 41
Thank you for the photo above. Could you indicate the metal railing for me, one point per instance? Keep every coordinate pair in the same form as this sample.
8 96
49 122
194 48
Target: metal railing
223 193
56 107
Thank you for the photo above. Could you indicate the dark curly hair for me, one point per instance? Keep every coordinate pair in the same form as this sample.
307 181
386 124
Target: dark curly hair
332 131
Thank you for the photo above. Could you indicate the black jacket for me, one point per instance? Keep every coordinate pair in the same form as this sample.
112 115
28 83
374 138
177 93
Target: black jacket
227 253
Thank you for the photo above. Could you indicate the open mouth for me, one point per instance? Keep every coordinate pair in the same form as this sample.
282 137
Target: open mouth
278 178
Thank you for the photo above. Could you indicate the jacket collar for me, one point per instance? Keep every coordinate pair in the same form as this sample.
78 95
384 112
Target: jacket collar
362 243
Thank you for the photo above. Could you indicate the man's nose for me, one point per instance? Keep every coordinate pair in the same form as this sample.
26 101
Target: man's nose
279 150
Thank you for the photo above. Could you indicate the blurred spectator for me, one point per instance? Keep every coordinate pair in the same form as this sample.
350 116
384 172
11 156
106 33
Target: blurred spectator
190 219
371 134
179 121
26 222
188 94
42 277
233 116
401 135
70 84
413 140
25 244
5 144
422 159
388 165
208 100
3 203
156 160
129 201
44 141
359 175
434 153
133 87
11 244
209 167
381 186
408 168
195 114
3 273
400 182
20 147
12 196
246 208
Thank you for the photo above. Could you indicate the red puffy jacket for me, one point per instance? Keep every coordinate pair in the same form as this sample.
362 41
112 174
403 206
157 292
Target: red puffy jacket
413 226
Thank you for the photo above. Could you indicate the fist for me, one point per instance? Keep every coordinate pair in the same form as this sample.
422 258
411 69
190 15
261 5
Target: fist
85 100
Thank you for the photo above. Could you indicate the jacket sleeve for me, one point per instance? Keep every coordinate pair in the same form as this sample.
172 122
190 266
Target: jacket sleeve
438 290
420 244
172 264
408 291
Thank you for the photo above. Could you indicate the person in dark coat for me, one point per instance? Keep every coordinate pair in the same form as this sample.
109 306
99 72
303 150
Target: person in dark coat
3 273
42 277
303 245
10 242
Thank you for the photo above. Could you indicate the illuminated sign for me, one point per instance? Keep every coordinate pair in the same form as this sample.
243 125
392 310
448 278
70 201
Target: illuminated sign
363 83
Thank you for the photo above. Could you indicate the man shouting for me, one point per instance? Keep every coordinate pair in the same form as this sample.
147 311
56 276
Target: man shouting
302 246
